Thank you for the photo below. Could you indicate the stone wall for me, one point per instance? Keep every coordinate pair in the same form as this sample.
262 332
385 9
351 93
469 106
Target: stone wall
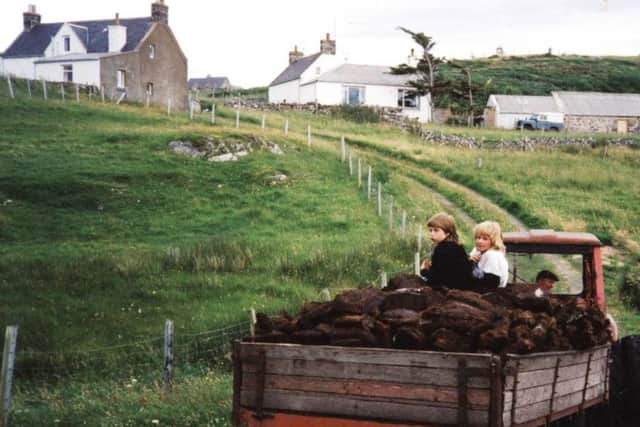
167 71
600 124
392 116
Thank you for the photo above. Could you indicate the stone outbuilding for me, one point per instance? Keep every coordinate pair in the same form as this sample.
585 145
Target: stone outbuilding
599 112
210 83
135 59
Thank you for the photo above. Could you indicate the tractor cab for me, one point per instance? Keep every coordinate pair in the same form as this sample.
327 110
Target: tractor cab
575 258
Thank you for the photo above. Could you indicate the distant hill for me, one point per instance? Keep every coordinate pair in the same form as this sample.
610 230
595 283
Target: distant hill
539 75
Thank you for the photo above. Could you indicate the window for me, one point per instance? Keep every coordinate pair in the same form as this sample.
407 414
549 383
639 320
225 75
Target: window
150 89
67 73
152 51
408 99
122 79
67 43
353 95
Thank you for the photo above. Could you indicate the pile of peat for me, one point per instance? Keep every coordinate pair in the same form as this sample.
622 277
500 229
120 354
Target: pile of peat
407 315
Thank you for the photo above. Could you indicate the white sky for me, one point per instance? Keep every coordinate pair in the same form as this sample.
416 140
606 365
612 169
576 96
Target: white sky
249 40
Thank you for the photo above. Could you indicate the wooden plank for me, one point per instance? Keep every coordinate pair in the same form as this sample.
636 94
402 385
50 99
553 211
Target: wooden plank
541 409
537 361
475 397
379 356
541 377
363 407
366 371
543 392
247 418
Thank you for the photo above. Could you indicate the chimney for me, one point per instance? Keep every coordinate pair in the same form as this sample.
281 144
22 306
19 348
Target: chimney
160 12
117 35
295 55
328 46
30 18
412 59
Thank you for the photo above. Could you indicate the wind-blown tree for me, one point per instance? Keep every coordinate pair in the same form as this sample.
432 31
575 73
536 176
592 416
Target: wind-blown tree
462 90
427 80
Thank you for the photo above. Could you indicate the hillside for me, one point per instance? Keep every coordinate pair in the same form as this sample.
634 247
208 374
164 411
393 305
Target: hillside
539 75
105 234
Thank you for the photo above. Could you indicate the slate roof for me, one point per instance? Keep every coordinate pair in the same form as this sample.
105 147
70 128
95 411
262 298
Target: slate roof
523 104
210 82
364 74
598 103
94 36
295 70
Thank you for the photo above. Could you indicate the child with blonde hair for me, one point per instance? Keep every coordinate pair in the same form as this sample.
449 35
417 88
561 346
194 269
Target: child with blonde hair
491 269
449 266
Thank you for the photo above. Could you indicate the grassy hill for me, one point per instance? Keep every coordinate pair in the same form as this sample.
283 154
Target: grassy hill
104 234
539 75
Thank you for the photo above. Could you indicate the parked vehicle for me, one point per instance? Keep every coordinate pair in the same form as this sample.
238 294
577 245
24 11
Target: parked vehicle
543 121
298 385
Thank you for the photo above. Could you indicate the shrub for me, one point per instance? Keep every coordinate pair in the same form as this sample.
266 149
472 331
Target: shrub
630 282
356 113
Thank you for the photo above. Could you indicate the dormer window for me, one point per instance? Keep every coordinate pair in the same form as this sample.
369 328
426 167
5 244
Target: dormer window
152 51
67 43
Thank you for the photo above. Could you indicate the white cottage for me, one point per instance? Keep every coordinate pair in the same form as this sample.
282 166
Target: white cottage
322 78
503 111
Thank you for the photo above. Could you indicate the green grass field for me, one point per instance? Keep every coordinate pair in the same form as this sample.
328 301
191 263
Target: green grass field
104 234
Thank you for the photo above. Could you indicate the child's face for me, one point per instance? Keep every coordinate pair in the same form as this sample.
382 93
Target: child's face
437 235
483 242
546 284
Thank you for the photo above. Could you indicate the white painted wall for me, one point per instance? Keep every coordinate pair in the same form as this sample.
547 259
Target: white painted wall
84 72
326 93
285 92
20 67
56 47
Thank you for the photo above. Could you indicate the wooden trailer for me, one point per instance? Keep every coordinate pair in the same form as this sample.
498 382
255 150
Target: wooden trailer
290 385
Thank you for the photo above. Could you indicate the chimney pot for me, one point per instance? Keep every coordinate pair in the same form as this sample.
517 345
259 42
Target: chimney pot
328 46
295 55
160 12
117 18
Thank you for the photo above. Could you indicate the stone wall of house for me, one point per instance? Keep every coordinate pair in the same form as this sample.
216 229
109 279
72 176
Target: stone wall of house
167 71
600 124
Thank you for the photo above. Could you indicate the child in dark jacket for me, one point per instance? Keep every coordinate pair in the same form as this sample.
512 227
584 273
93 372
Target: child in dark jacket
450 265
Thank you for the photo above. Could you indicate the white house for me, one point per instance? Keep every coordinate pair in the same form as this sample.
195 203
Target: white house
503 111
136 57
324 79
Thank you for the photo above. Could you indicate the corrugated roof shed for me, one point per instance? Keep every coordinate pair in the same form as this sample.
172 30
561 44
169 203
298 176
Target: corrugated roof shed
365 74
598 104
94 35
295 70
523 104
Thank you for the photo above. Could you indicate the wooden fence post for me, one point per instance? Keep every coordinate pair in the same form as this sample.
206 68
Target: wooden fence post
252 322
77 93
147 100
309 135
62 90
237 119
359 172
350 164
404 224
190 110
379 199
102 93
168 356
168 106
419 238
369 184
286 127
416 264
44 89
264 121
343 149
383 280
6 377
11 94
29 87
213 113
391 213
90 91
